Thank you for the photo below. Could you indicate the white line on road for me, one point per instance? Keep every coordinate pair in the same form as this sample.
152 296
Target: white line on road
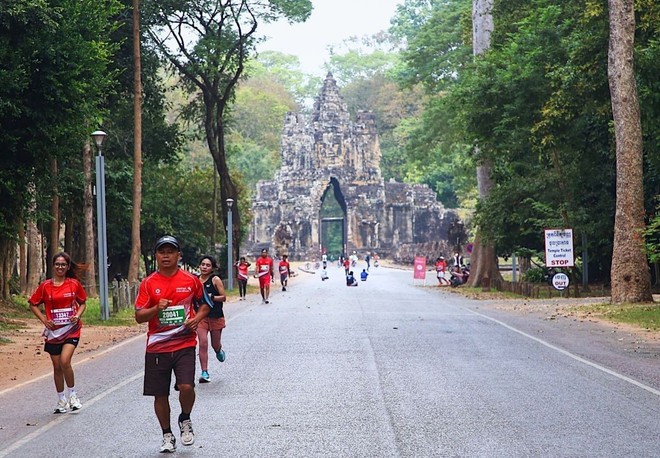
92 356
18 444
571 355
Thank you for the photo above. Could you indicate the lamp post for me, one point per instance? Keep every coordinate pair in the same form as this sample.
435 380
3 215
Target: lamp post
230 236
98 137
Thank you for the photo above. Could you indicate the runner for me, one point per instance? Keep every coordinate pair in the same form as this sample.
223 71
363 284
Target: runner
215 321
242 267
284 269
64 303
166 300
264 271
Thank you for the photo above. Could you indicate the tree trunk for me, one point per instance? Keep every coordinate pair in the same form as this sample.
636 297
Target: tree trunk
22 258
54 244
7 258
483 263
88 223
136 246
35 257
630 276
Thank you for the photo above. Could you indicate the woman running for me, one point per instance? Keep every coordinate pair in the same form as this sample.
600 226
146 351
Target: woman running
215 321
64 303
242 276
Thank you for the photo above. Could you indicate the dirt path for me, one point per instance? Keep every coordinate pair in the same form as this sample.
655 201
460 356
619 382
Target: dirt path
23 359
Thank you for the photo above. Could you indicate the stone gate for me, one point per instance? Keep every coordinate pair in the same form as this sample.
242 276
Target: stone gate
329 157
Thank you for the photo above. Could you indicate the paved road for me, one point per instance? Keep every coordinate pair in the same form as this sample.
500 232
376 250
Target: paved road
386 369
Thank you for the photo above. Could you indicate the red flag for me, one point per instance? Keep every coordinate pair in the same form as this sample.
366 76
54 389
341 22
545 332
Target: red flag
419 268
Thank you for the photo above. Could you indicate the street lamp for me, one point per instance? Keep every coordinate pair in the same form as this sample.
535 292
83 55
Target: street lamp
98 137
230 236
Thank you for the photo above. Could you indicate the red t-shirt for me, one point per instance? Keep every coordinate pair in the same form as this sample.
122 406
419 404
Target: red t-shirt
263 267
440 266
166 331
284 267
60 303
242 268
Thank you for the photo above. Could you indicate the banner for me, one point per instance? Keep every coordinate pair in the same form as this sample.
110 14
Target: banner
419 272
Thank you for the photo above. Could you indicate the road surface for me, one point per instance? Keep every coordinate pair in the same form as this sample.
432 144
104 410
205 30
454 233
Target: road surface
385 369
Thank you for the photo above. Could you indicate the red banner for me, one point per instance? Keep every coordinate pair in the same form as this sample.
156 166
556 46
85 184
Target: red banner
419 268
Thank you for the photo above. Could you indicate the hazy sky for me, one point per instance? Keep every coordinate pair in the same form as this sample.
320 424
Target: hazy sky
331 22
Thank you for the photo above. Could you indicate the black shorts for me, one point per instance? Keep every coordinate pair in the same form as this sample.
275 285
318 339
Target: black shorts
158 369
56 349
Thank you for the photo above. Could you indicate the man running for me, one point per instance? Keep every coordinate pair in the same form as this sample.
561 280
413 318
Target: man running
264 271
166 300
284 268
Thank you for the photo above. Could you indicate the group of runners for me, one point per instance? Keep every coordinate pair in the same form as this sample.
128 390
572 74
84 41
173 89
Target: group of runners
181 309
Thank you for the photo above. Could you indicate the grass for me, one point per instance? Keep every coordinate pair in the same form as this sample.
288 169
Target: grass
643 315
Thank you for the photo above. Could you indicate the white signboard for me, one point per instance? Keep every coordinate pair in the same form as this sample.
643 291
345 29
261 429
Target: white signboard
559 248
560 281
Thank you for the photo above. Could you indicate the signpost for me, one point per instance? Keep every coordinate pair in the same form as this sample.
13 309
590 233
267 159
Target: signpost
559 248
419 270
560 281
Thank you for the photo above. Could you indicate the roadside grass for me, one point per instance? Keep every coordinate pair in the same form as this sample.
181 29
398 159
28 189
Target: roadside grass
646 316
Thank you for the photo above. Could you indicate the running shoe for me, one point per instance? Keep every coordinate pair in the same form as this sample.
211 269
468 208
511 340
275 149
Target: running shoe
74 402
283 288
187 435
221 355
204 377
61 406
169 443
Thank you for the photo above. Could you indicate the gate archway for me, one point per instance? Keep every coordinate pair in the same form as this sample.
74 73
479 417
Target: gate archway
332 221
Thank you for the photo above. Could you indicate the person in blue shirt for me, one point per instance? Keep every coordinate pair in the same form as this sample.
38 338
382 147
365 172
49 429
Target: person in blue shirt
363 275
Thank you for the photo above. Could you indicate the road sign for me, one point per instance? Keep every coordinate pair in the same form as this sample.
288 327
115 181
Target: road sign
560 281
559 248
419 272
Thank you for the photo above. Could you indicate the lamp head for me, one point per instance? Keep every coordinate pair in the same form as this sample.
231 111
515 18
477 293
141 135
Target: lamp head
98 137
230 202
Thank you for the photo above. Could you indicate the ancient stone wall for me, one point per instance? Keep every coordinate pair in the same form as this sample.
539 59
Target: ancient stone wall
330 154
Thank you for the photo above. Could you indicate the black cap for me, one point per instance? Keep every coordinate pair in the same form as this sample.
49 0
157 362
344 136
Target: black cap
167 240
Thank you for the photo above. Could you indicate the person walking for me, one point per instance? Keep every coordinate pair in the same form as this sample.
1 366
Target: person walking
166 300
64 300
264 271
215 320
242 267
440 269
284 268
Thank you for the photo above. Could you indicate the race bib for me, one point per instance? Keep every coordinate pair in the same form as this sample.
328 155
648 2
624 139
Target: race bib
264 268
173 315
62 316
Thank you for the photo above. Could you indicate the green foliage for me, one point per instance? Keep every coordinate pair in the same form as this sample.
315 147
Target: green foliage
178 201
535 275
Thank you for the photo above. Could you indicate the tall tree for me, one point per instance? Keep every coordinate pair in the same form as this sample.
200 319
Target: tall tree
630 274
208 43
134 263
484 257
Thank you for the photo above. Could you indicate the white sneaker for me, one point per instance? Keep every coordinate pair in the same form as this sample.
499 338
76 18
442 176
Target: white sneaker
187 435
169 443
61 406
74 402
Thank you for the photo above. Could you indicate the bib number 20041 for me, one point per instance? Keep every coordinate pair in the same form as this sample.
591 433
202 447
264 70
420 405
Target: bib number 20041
172 315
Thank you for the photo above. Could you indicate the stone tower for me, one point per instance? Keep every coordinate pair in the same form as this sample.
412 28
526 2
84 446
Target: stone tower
326 156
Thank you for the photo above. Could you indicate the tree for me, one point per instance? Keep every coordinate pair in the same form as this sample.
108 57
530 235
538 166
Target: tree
53 64
630 273
208 43
484 257
137 148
